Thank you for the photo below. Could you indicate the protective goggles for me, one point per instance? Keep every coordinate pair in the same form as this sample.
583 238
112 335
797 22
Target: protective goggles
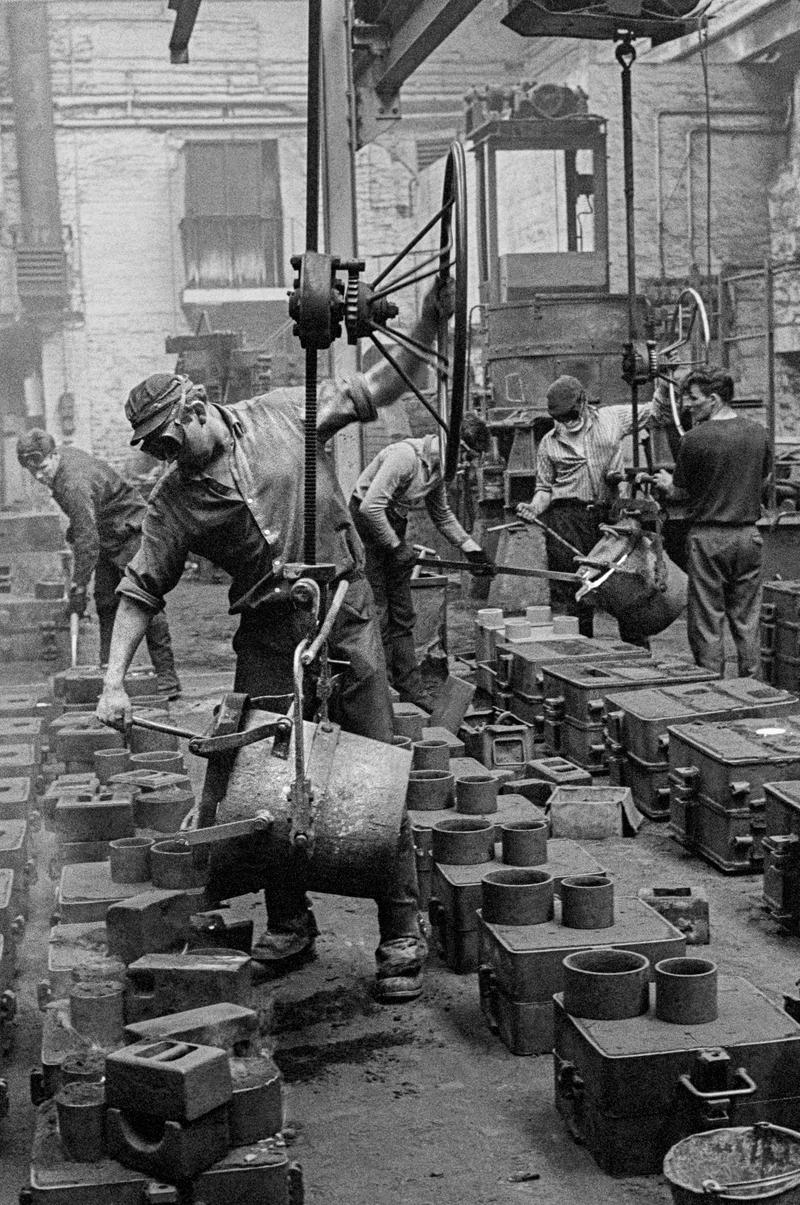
166 443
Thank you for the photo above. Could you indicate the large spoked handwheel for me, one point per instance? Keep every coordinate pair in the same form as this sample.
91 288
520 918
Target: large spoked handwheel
367 311
690 341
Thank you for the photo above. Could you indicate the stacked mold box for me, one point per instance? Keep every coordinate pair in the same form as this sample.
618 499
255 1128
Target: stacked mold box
493 627
638 1068
779 631
717 777
518 683
637 723
524 942
574 702
22 749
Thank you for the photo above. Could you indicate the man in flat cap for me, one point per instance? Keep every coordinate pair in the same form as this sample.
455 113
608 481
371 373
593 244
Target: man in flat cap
573 465
405 475
234 495
105 515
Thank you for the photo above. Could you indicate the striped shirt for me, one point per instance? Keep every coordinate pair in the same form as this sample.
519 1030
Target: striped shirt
574 467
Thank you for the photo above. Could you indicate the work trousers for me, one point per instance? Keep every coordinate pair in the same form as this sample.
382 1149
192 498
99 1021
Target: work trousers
724 569
580 525
264 646
107 576
391 588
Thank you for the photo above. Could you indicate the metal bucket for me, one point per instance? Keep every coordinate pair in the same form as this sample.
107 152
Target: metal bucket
632 592
738 1163
357 818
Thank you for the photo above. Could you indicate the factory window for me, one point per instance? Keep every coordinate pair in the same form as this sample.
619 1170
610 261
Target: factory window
232 230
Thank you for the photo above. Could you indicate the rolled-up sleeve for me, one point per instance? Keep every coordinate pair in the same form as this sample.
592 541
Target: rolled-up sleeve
158 565
545 472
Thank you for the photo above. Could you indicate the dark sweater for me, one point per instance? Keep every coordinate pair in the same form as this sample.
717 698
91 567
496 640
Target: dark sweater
721 467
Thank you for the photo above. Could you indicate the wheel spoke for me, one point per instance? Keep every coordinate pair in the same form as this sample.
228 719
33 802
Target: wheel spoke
426 354
407 380
410 246
415 280
436 257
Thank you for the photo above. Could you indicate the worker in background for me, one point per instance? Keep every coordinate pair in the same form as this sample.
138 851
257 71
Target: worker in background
404 475
234 494
105 517
720 470
573 494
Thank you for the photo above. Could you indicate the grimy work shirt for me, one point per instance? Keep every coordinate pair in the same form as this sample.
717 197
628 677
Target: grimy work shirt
104 510
252 531
402 476
574 466
721 467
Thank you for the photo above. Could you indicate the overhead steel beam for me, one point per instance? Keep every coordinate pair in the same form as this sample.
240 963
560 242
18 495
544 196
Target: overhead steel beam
414 39
390 41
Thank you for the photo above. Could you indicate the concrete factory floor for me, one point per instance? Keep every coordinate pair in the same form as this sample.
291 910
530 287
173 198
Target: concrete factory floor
415 1104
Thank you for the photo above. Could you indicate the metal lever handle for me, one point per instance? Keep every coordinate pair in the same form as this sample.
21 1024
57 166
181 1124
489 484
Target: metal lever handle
725 1093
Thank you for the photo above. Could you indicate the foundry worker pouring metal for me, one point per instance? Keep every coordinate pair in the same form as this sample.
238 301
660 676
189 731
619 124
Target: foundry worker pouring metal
721 467
575 466
403 475
105 517
234 495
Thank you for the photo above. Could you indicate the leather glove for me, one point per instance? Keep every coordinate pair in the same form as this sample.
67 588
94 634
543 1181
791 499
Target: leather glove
76 604
480 563
405 555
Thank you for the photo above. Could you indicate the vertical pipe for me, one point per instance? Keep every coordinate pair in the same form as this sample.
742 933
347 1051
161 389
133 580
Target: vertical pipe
312 242
626 55
26 25
769 349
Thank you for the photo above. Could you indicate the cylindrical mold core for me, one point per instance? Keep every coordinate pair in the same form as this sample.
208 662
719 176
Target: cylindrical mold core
84 1067
463 841
130 859
172 865
96 1010
476 795
517 896
81 1120
587 902
525 842
429 790
606 985
110 761
431 755
158 759
686 990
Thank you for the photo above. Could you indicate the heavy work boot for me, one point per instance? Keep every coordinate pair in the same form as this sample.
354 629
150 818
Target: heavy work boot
399 969
286 944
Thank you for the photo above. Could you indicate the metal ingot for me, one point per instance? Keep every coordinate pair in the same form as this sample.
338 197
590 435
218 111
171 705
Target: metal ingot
686 990
358 806
606 985
463 841
517 896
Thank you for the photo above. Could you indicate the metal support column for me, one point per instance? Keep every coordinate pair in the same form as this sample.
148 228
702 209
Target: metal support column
769 353
626 56
339 197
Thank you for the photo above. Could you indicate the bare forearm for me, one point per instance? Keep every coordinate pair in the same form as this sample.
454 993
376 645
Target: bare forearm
130 625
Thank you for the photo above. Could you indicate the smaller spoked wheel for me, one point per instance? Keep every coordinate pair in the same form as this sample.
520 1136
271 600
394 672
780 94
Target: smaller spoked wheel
448 264
688 345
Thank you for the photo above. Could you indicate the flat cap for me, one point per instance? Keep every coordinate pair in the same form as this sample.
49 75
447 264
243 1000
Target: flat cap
152 403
